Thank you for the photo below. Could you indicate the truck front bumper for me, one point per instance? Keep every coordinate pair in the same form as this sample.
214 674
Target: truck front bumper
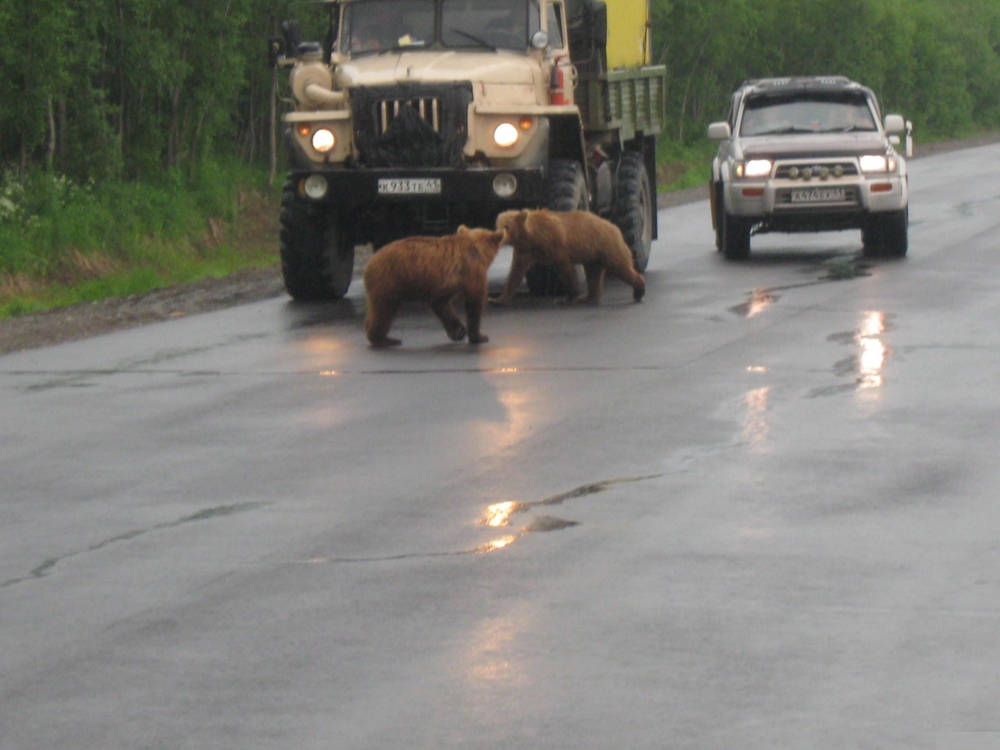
486 189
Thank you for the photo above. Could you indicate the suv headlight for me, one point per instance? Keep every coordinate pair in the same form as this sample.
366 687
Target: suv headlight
754 168
877 163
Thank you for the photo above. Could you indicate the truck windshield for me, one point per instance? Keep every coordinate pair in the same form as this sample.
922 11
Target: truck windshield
494 24
386 25
373 26
806 114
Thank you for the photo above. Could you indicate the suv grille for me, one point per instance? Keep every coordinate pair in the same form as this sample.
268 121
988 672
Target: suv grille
799 171
411 125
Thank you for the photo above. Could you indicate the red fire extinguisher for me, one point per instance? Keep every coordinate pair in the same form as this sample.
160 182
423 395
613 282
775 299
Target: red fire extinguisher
557 83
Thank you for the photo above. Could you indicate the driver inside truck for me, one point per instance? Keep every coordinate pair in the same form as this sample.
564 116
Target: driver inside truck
389 24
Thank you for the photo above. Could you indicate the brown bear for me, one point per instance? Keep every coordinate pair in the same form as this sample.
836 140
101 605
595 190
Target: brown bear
434 270
564 238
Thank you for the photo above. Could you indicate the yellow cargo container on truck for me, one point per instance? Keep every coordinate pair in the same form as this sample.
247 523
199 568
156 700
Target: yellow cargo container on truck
415 116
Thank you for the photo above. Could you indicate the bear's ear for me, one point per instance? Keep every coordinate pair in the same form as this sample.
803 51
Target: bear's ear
499 237
462 229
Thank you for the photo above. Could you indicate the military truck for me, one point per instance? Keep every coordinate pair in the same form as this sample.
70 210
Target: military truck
415 116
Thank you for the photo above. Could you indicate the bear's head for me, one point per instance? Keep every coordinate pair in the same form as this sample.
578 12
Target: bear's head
486 241
513 222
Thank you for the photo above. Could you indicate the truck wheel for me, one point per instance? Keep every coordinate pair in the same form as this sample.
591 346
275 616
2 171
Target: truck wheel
317 254
634 207
735 236
887 234
567 191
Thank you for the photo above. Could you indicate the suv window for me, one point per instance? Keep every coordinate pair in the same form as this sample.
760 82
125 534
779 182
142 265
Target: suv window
806 113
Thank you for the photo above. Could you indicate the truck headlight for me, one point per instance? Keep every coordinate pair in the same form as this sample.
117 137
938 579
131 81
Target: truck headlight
877 163
324 140
504 185
314 186
505 135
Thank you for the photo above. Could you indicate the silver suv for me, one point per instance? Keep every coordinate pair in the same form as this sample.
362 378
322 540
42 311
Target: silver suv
809 155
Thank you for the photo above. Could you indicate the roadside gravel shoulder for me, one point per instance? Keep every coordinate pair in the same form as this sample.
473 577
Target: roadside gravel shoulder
90 319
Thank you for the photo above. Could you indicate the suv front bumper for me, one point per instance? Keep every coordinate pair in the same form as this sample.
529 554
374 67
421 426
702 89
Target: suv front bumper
799 205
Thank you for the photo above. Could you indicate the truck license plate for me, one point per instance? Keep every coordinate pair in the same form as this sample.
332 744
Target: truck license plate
819 195
409 186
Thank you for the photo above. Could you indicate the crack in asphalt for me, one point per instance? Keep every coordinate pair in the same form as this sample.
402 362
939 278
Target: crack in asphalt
206 514
540 524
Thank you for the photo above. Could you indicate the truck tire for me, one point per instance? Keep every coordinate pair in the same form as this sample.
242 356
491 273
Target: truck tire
634 207
317 254
735 236
567 191
887 235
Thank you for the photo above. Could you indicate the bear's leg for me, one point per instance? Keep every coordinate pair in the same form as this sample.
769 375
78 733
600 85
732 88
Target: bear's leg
475 301
595 281
379 319
620 265
445 311
519 265
567 272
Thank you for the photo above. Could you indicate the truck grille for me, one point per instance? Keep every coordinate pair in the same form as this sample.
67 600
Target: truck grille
411 125
429 110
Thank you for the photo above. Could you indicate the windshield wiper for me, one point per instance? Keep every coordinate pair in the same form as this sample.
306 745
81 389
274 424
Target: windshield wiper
785 131
476 39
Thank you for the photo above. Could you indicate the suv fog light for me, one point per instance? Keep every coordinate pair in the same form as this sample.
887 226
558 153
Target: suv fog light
314 186
505 185
505 135
324 140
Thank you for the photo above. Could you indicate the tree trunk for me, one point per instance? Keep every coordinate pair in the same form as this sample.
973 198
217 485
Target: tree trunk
273 145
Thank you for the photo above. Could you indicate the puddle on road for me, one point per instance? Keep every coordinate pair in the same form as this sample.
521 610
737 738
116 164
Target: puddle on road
760 300
867 363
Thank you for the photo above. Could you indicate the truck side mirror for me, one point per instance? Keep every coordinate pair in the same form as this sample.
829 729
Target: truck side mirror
600 27
275 51
719 131
293 36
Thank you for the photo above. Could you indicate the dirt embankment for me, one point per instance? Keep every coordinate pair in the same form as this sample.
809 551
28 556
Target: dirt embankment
89 319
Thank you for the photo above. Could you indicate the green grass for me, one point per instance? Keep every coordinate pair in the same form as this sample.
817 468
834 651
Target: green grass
63 243
681 166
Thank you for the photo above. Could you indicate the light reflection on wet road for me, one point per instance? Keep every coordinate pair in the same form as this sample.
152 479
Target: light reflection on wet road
757 510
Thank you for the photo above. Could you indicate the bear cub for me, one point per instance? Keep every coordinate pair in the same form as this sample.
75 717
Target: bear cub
565 238
434 270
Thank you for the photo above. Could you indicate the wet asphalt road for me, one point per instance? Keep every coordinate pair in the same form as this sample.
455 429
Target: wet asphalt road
758 510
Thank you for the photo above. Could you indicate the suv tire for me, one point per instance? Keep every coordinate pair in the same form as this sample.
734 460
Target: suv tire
736 236
567 191
887 234
317 253
633 207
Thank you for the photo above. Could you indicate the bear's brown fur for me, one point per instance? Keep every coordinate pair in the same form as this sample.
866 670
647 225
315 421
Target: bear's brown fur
564 238
435 270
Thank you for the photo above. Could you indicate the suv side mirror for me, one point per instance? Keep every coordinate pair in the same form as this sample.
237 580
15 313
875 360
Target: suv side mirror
719 131
895 124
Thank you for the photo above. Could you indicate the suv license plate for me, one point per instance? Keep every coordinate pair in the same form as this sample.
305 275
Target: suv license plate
820 195
411 186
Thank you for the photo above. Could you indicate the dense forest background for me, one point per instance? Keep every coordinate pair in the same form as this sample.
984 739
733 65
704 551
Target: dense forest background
132 89
128 126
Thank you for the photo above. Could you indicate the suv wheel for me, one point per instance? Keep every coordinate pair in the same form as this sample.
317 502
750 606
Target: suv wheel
736 236
317 252
567 191
887 234
634 207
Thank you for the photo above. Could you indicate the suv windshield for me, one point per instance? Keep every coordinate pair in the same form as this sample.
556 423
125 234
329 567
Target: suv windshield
386 25
806 114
